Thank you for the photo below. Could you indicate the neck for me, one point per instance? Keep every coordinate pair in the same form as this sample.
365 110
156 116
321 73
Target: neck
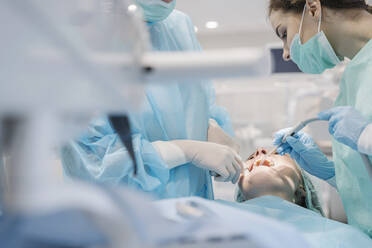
349 35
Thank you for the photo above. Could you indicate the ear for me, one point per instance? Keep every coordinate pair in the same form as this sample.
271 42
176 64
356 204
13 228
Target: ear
315 8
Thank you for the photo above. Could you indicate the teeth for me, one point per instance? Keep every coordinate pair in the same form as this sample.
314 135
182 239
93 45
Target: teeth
266 162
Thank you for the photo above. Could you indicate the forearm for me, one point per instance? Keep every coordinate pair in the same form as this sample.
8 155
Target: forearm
171 153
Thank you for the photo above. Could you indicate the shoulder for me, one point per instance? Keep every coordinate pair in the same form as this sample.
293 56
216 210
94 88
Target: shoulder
359 74
179 28
361 65
177 20
177 15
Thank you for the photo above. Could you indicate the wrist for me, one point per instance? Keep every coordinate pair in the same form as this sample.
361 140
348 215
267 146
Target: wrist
172 155
189 147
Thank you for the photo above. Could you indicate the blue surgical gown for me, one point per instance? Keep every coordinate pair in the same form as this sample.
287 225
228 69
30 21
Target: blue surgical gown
178 110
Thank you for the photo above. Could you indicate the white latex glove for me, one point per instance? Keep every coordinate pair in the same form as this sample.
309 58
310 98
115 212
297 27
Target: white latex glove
217 135
218 158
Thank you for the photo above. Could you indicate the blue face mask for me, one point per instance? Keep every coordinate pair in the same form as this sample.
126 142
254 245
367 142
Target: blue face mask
156 10
316 55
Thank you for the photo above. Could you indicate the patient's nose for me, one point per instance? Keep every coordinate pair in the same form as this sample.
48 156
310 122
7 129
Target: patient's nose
261 151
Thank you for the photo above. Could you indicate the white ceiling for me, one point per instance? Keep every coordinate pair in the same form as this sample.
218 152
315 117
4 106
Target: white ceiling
232 15
241 22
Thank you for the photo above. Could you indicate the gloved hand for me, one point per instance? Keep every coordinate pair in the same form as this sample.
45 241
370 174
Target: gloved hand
345 124
307 154
214 157
217 135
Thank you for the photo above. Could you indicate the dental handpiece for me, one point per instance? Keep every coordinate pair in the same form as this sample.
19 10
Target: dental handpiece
298 128
291 132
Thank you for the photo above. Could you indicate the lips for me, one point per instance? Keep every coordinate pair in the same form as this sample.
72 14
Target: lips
257 163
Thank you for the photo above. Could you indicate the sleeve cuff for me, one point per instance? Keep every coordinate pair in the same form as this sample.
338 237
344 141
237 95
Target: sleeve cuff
365 141
171 154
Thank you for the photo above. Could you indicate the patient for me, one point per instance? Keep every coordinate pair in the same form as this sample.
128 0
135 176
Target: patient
276 176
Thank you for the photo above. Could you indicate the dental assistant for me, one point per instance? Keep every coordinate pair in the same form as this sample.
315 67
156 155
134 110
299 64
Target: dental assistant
169 135
317 35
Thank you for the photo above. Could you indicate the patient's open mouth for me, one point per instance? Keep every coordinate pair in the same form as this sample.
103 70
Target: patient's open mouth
257 163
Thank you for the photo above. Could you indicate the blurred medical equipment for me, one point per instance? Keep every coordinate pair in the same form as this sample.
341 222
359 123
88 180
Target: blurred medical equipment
66 62
121 126
240 62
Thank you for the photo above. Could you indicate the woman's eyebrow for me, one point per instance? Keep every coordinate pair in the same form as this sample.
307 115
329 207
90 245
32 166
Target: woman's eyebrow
277 30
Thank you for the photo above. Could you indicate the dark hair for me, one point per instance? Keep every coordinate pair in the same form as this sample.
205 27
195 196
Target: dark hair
297 6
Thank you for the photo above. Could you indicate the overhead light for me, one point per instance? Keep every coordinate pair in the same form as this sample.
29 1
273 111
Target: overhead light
196 29
211 25
132 8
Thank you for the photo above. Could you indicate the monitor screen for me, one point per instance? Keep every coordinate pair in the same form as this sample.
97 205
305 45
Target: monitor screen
281 66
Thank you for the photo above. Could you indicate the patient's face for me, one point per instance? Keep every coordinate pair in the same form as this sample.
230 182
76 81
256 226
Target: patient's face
277 176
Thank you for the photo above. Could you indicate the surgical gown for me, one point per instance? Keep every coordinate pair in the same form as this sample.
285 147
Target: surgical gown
353 182
177 110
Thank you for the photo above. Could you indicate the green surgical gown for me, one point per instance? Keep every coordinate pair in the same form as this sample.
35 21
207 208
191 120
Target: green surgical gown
353 182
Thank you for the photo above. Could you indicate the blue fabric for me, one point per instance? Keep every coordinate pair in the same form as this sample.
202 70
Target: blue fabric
353 182
178 110
307 154
345 124
318 231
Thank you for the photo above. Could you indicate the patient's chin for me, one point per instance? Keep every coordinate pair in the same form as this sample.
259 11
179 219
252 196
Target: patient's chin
263 181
